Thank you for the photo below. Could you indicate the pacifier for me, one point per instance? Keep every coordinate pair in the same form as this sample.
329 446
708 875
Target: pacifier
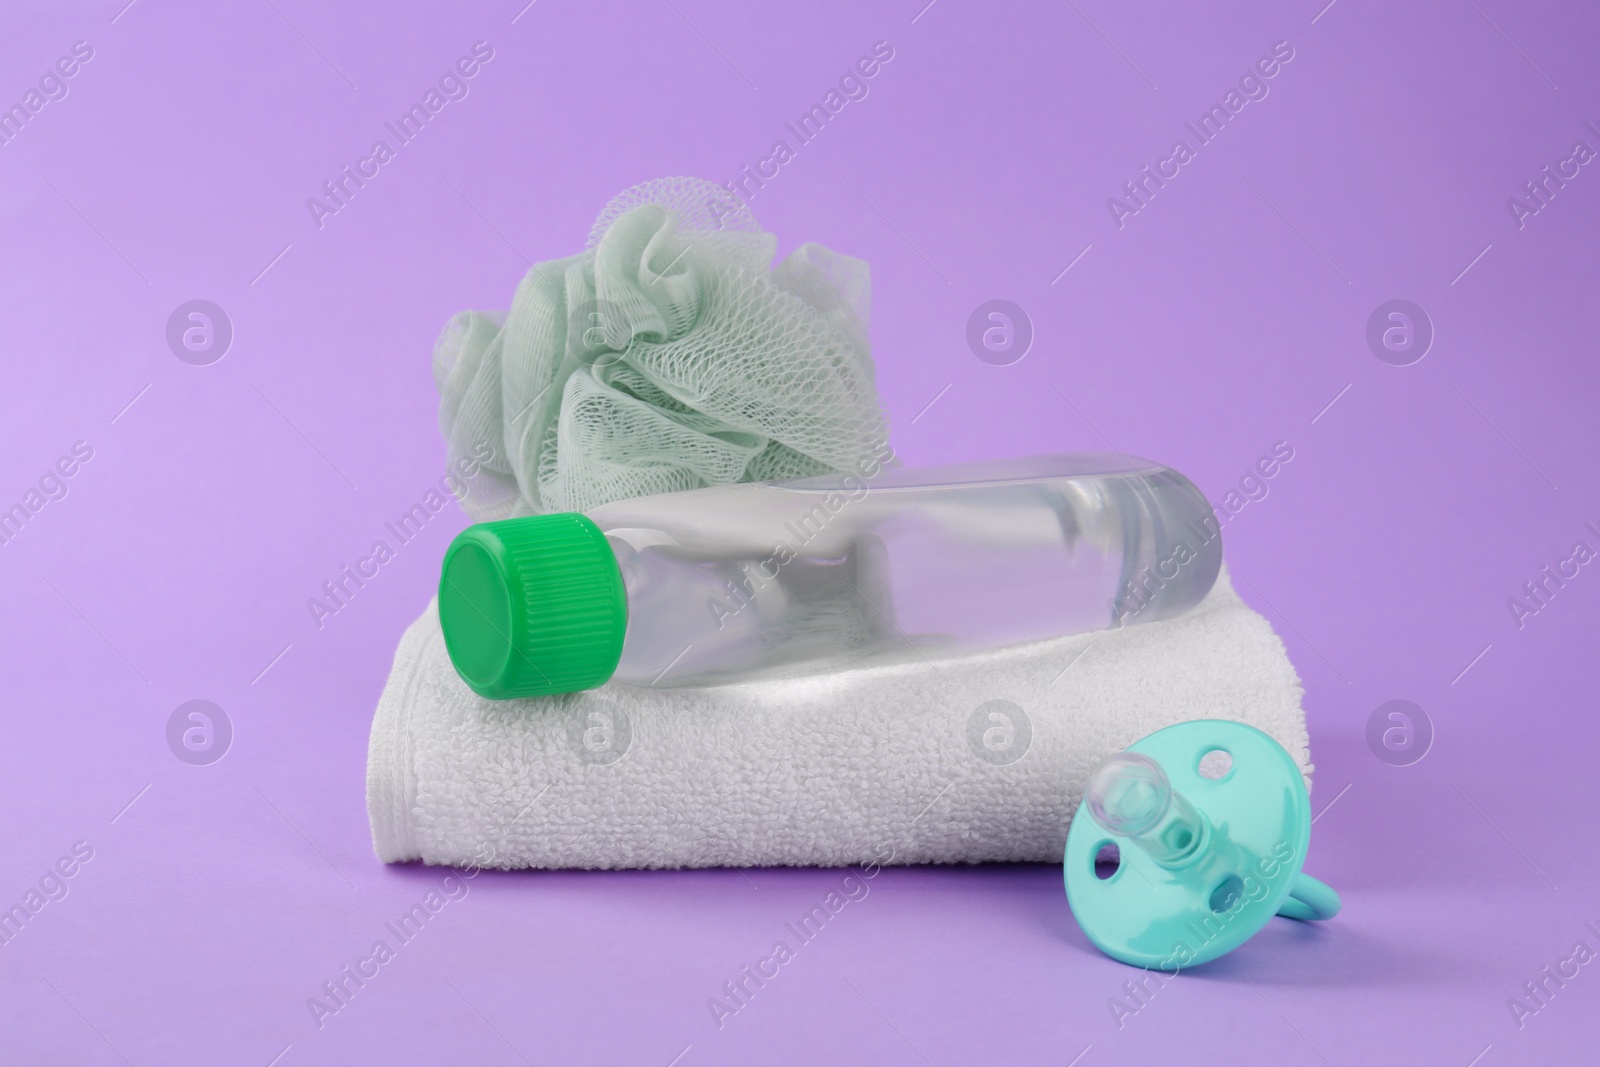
1188 843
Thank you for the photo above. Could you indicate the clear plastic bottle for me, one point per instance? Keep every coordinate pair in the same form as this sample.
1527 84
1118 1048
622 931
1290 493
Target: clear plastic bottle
740 581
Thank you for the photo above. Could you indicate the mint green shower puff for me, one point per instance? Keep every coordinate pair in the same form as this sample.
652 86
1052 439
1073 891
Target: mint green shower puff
668 355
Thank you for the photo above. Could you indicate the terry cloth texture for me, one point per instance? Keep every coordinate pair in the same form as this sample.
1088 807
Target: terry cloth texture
958 761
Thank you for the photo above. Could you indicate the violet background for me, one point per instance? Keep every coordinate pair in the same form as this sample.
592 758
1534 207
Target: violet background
1224 317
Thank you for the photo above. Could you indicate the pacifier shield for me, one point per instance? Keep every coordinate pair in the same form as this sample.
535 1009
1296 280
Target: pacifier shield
1255 823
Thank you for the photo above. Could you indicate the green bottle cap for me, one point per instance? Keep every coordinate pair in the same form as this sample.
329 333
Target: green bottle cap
532 606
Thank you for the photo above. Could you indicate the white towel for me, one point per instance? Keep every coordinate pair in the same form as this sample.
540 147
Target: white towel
955 761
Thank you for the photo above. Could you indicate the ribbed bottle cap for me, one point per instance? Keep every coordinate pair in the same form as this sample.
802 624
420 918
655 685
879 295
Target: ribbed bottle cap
532 606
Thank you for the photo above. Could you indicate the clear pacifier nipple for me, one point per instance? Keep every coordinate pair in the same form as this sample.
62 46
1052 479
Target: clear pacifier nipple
1130 796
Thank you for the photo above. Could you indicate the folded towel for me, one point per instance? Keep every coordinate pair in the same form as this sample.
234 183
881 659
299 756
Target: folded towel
951 761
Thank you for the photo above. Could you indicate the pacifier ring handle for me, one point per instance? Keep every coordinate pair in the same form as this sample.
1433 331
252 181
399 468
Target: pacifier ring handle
1311 900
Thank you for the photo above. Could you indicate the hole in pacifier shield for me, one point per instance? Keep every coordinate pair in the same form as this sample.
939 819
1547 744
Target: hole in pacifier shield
1399 733
599 731
999 732
199 732
1215 764
199 332
999 332
1107 858
1228 893
1399 332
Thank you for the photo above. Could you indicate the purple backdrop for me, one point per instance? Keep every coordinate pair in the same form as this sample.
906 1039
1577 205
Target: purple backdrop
1221 311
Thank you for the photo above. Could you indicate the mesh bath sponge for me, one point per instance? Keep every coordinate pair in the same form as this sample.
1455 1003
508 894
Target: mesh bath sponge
667 355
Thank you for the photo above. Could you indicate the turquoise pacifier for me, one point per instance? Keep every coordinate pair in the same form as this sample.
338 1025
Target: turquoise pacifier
1188 843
